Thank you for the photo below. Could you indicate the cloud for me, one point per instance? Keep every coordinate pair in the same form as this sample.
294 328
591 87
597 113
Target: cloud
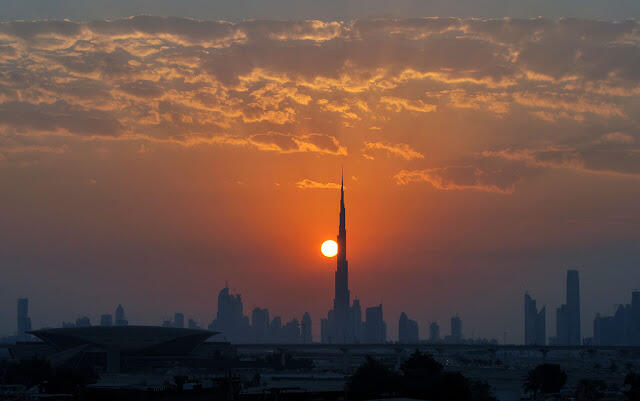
310 184
400 149
284 143
461 178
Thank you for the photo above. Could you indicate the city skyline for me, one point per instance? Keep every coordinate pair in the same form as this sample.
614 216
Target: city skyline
152 157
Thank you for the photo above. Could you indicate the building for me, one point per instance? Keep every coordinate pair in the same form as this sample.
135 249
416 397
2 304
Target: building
621 329
24 321
573 307
306 329
260 325
343 323
375 329
568 314
106 320
408 331
456 330
178 320
121 319
230 319
83 322
534 322
193 325
145 345
434 332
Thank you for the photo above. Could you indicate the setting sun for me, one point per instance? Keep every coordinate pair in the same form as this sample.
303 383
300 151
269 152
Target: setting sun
329 248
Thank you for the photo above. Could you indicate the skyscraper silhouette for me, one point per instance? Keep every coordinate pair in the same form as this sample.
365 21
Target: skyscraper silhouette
24 321
573 307
121 319
341 301
534 322
344 322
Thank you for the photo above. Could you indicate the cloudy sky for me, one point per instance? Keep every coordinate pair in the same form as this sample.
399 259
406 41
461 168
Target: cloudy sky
147 160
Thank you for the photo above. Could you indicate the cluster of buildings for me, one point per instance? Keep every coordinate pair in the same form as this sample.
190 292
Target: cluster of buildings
117 319
234 326
623 328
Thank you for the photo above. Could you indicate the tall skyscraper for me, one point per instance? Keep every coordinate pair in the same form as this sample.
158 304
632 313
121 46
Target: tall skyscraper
260 325
375 331
344 322
178 320
24 321
342 301
434 332
408 331
456 329
121 319
305 329
230 320
568 314
573 307
534 322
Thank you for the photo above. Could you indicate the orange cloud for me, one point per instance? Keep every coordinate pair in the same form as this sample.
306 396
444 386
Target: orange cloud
310 184
401 149
459 178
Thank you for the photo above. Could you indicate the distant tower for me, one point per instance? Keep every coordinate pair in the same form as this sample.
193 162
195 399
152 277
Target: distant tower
573 307
456 329
534 322
24 321
305 329
434 332
121 319
178 320
341 301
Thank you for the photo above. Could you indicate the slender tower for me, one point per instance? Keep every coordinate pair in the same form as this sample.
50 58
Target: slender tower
341 301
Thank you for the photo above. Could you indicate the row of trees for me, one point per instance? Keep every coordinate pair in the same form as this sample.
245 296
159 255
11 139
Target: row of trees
420 377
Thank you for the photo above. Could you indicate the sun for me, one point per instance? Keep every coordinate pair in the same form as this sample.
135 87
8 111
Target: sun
329 248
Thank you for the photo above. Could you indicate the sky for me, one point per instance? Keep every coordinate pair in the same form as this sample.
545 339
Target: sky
148 160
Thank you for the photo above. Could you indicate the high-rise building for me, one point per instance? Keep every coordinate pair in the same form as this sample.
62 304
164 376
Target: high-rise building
24 321
305 329
375 329
568 314
621 329
343 323
178 320
106 320
573 307
260 325
230 320
83 322
456 329
408 331
121 319
434 332
193 325
534 322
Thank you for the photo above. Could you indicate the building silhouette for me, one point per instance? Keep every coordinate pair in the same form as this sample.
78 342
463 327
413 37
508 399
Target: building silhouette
83 321
434 332
621 329
534 322
456 331
193 325
106 320
24 321
568 314
230 320
408 331
343 324
375 329
178 320
306 329
121 319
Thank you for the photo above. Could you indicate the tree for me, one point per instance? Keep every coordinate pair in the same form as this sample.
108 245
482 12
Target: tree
590 390
632 381
545 378
372 379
